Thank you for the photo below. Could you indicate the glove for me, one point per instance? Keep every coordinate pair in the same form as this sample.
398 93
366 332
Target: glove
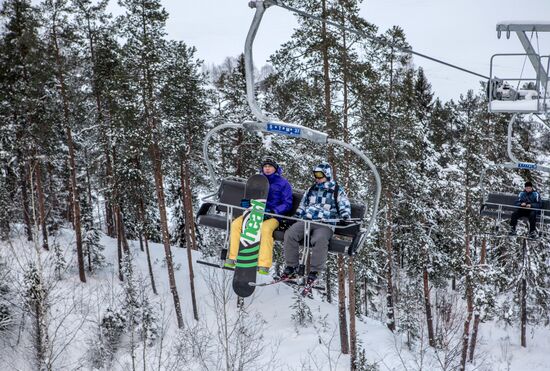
345 221
245 202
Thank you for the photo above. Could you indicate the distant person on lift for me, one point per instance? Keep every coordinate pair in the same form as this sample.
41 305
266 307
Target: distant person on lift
528 200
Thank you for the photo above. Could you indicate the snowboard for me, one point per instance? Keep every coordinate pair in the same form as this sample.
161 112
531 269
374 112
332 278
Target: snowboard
256 190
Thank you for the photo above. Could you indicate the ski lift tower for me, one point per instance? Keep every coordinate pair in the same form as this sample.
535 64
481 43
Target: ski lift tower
530 94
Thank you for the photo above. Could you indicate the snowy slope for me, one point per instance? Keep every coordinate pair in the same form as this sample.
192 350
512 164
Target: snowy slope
268 333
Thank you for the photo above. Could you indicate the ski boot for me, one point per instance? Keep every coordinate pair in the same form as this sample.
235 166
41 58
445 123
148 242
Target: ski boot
288 274
263 270
310 282
230 263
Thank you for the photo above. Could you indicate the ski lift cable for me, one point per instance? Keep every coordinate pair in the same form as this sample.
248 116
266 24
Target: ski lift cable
372 38
543 121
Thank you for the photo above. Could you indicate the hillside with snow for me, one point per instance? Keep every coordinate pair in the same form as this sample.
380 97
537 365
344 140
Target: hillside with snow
89 324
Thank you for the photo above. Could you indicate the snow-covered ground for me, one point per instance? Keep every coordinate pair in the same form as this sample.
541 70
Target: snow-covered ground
266 331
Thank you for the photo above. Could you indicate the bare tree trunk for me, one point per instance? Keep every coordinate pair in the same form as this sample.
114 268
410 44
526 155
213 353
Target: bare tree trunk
342 319
72 162
189 227
389 273
366 296
345 108
159 186
140 237
88 181
469 303
41 206
477 317
23 170
120 225
389 217
142 215
119 244
144 223
523 296
328 283
352 328
330 125
69 200
427 303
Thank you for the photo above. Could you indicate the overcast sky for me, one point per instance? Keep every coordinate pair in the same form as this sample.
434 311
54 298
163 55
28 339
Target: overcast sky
459 32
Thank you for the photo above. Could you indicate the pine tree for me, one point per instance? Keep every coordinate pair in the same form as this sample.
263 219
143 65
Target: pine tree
100 70
56 15
144 20
92 247
23 80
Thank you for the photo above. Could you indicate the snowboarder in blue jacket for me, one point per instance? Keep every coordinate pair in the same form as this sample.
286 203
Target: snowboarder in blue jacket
279 201
324 202
527 200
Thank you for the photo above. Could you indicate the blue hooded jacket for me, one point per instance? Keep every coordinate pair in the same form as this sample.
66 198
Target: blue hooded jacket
532 198
319 204
279 198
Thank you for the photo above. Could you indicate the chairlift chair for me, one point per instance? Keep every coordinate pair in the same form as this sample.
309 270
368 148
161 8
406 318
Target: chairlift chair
534 98
500 205
221 206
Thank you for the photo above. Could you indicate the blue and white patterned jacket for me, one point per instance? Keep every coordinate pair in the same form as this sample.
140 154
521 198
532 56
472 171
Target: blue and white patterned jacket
321 204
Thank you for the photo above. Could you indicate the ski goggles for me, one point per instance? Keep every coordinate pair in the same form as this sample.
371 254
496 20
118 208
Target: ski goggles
319 174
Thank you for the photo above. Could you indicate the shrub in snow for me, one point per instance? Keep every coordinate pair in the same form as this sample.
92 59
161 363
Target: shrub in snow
137 308
59 262
5 316
362 363
302 314
5 312
112 327
107 342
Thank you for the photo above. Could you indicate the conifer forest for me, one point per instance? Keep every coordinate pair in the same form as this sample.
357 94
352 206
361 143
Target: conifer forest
102 173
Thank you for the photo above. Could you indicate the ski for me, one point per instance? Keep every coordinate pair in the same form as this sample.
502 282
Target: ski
292 282
215 265
273 282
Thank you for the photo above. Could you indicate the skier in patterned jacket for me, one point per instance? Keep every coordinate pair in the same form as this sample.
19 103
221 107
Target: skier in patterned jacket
324 202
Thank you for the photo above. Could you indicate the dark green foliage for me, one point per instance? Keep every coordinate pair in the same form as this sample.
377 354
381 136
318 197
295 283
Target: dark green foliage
301 316
362 363
110 331
93 249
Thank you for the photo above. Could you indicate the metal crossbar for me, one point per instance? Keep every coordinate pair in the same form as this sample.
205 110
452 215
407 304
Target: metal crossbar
358 221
